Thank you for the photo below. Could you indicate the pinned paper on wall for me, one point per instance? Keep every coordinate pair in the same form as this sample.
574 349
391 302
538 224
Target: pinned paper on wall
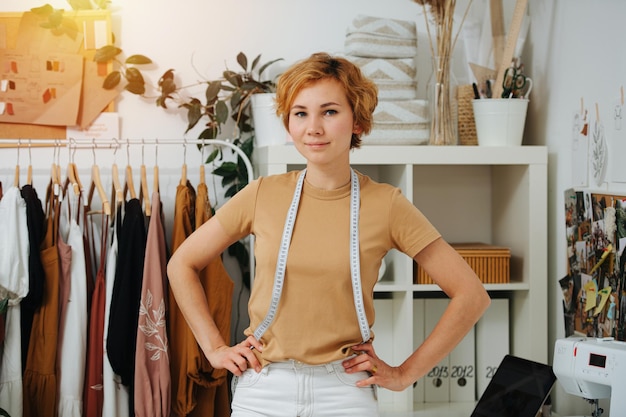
599 154
618 140
580 147
594 288
49 79
46 88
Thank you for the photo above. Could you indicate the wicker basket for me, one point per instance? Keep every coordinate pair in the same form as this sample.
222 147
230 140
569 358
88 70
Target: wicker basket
466 124
491 263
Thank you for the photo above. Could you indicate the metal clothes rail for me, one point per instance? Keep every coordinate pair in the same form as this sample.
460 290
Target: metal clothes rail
72 144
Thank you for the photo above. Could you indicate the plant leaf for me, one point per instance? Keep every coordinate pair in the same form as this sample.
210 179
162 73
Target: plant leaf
106 53
212 91
255 62
55 18
233 78
167 86
112 80
194 114
267 64
212 156
44 10
133 75
209 133
227 168
221 112
80 4
136 87
168 75
138 60
242 59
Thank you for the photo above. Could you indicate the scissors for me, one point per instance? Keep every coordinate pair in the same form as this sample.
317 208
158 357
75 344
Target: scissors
515 84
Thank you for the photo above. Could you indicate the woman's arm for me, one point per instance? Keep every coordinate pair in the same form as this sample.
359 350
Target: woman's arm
468 301
194 254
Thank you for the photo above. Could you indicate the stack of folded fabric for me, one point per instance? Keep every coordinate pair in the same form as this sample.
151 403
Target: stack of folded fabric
385 50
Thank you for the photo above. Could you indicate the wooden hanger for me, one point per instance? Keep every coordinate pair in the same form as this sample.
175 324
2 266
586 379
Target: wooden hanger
129 182
183 176
55 179
155 170
117 186
72 175
96 183
29 170
202 174
16 177
72 178
144 190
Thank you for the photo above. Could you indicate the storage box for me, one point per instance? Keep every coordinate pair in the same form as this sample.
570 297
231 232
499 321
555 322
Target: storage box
491 263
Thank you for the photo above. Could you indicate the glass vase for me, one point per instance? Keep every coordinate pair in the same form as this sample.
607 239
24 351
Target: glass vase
442 102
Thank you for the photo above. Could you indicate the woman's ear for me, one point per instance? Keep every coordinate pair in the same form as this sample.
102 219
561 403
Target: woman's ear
357 130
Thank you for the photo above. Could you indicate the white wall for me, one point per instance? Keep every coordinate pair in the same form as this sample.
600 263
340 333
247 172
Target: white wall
575 49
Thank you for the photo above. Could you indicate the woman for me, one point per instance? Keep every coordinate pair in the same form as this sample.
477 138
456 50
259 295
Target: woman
320 235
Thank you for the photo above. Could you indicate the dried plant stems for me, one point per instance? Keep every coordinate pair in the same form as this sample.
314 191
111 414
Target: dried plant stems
443 111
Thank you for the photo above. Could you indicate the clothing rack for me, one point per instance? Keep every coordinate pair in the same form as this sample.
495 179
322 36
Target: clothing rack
115 144
71 143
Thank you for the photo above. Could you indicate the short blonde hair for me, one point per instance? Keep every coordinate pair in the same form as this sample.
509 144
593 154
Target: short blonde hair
361 92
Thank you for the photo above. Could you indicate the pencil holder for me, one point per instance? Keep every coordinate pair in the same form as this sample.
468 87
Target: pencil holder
500 121
467 126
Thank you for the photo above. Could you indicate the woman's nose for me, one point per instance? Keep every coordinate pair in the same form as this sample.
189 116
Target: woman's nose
315 127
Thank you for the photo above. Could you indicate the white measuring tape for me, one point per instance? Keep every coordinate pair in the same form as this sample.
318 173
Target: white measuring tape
355 262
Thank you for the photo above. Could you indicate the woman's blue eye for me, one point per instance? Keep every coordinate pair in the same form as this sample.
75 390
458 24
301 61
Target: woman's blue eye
330 112
299 114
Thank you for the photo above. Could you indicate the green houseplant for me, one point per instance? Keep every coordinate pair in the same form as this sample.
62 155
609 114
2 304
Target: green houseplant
226 98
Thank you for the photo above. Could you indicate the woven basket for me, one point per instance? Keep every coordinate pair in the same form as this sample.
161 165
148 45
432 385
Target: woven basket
491 263
466 124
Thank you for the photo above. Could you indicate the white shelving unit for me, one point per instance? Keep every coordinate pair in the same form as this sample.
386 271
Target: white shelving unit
470 193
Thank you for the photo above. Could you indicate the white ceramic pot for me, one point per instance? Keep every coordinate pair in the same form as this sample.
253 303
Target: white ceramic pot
268 128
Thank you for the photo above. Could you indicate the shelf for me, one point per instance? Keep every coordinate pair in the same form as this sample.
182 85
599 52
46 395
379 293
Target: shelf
418 155
494 195
382 287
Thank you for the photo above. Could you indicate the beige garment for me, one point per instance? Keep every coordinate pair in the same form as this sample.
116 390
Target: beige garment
152 364
197 388
317 277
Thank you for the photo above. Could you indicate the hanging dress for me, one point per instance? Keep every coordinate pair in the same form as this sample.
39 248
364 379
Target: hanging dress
198 389
14 247
152 366
124 311
35 218
73 330
40 382
93 393
115 394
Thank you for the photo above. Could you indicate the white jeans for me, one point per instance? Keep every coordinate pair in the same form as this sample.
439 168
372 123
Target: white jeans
293 389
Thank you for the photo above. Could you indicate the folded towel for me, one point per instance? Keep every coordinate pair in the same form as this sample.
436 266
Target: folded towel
377 46
398 69
396 90
394 28
401 111
398 134
400 122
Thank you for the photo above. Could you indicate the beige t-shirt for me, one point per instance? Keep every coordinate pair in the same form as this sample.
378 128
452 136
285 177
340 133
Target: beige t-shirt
316 320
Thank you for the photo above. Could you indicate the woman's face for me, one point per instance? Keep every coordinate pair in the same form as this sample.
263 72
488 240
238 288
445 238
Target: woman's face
321 122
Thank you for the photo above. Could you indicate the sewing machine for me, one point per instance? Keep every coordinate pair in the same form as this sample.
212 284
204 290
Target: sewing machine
593 368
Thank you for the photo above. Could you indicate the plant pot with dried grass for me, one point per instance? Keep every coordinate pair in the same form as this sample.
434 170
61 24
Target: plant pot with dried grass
441 89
